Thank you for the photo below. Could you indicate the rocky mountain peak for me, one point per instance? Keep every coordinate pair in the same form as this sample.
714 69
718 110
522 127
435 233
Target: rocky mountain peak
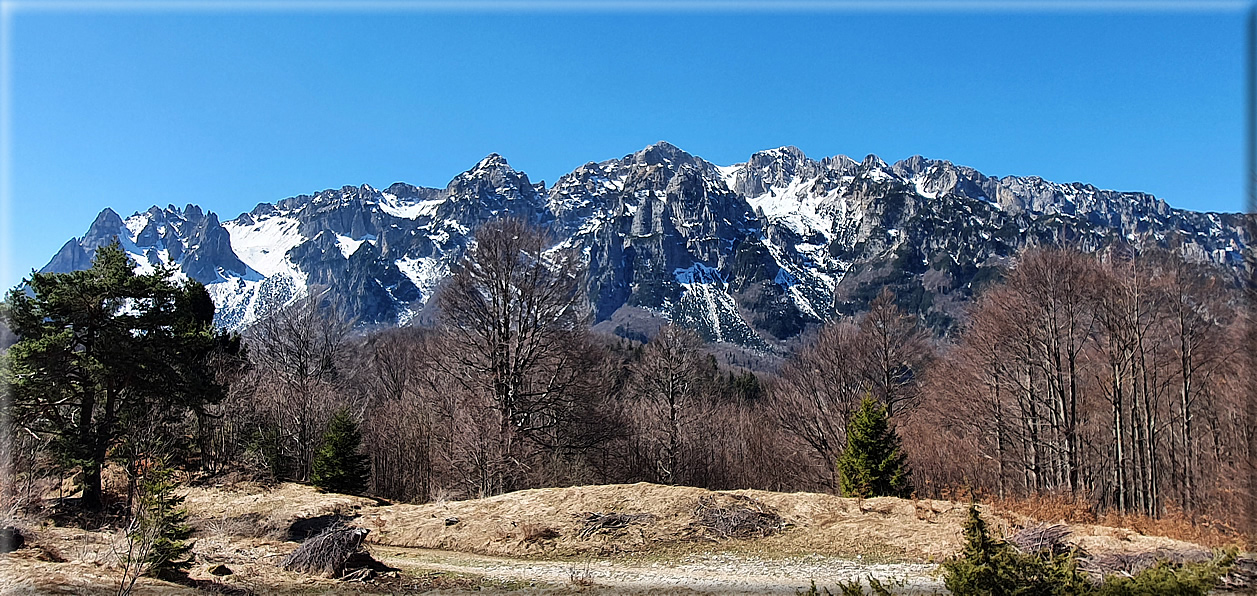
917 164
840 164
662 153
491 189
103 229
409 192
873 162
775 168
788 154
492 161
493 170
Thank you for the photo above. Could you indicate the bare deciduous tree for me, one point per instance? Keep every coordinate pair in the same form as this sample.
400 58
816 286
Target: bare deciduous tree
816 391
896 350
298 354
1111 378
399 425
670 384
514 312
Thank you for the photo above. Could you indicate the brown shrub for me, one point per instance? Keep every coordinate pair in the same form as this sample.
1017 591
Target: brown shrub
537 532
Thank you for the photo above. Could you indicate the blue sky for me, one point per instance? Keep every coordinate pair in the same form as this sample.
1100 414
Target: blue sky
126 109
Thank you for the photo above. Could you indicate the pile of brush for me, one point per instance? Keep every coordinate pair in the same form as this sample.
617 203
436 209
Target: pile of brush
610 522
331 553
1053 539
739 517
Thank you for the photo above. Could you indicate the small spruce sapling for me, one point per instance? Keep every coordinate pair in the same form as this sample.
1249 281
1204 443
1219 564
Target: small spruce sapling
156 540
163 508
873 464
338 467
990 567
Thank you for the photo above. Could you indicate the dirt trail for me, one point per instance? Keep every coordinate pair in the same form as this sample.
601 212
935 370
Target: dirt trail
719 573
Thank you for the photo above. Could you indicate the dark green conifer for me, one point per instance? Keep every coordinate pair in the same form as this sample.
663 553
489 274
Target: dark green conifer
990 567
873 465
164 521
100 349
338 467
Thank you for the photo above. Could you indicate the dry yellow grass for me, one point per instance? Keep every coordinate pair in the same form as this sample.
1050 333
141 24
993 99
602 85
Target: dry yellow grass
1174 524
243 527
248 509
884 527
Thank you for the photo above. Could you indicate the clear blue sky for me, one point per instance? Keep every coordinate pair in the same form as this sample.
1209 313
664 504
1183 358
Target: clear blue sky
229 109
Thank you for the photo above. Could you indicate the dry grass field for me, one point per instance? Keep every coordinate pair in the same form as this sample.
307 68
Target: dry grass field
632 539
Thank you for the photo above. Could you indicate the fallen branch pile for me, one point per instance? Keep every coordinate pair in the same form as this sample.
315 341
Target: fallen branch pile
1042 537
327 553
1052 539
1129 564
600 522
1242 576
743 518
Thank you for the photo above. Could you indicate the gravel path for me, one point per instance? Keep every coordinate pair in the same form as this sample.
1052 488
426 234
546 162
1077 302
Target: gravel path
723 573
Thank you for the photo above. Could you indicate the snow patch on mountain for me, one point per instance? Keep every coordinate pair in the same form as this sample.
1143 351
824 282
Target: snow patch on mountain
136 224
729 174
698 273
392 205
795 207
242 301
426 273
918 183
709 309
348 246
264 244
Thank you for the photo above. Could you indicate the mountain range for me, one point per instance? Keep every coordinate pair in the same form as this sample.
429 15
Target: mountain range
751 253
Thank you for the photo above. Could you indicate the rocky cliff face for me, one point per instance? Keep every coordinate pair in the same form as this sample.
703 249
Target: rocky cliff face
750 253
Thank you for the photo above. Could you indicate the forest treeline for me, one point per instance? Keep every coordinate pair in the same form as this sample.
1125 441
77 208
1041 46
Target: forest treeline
1118 379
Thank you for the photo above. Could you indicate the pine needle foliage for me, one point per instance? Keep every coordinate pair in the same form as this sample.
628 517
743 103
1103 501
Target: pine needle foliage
873 464
1164 578
850 588
989 567
100 349
338 467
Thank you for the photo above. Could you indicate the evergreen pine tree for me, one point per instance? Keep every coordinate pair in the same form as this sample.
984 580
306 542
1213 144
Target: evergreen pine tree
338 467
991 567
873 465
100 350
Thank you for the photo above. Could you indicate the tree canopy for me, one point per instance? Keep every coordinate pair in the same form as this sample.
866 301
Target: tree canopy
102 349
515 318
